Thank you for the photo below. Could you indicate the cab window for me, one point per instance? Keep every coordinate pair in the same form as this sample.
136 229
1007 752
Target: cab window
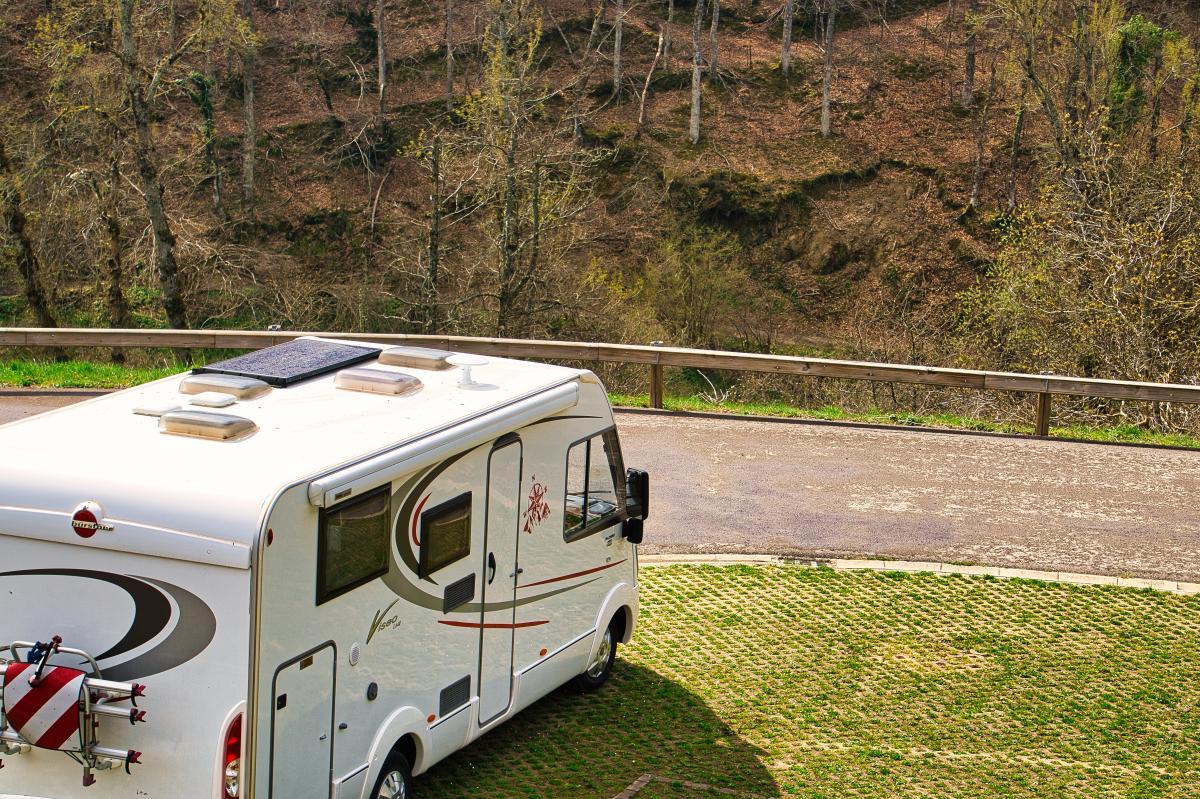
353 541
595 486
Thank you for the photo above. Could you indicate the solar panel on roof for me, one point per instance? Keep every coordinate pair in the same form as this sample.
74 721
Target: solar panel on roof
286 364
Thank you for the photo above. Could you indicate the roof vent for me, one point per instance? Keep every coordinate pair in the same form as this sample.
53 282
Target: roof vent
156 408
203 424
212 399
241 387
415 357
377 381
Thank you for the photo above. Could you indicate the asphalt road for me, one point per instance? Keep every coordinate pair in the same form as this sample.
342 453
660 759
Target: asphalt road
723 485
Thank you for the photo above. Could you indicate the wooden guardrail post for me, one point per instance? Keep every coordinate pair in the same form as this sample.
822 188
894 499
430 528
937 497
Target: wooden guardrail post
1041 425
656 381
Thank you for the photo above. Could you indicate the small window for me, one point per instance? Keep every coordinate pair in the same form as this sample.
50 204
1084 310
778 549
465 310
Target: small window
445 534
353 541
595 485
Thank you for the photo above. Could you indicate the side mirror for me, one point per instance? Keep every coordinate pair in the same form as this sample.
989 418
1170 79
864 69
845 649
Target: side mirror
637 493
632 529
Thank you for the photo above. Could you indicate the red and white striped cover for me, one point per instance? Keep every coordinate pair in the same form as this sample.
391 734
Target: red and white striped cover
46 716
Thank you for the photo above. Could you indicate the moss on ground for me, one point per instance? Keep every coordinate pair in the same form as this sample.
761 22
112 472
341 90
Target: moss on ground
784 681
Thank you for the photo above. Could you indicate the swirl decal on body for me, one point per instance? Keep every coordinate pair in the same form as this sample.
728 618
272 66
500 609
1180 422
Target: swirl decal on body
194 629
411 497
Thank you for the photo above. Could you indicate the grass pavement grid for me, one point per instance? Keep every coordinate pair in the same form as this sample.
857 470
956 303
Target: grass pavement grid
788 681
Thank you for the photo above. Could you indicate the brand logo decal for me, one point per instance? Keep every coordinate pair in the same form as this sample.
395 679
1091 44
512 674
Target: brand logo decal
537 509
87 520
382 621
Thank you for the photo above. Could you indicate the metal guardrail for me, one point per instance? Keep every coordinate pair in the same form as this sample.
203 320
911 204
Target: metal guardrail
1044 387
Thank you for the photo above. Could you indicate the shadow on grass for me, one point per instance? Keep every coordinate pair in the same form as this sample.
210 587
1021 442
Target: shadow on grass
595 745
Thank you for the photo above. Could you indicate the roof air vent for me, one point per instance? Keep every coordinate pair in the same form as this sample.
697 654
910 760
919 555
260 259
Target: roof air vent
377 381
203 424
241 387
415 357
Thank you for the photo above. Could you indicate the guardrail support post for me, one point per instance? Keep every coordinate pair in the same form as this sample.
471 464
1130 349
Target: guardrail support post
1041 425
656 381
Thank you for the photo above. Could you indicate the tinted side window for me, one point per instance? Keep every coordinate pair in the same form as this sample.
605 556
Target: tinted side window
595 485
353 541
445 534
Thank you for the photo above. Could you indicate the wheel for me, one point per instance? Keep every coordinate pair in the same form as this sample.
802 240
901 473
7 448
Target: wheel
596 674
395 781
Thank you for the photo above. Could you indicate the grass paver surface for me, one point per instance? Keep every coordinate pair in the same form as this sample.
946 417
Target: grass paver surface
785 681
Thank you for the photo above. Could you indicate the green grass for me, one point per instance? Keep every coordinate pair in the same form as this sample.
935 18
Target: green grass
1128 434
784 681
78 374
85 374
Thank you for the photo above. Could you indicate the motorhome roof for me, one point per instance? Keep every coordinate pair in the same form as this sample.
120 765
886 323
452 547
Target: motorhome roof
101 450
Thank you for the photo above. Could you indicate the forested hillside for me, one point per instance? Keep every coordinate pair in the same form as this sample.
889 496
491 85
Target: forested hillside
994 183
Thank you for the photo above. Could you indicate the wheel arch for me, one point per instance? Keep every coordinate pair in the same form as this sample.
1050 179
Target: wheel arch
406 732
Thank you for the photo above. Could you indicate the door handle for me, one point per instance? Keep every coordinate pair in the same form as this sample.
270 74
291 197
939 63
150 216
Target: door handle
518 570
491 567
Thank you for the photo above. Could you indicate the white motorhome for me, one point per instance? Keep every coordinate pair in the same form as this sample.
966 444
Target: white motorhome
310 571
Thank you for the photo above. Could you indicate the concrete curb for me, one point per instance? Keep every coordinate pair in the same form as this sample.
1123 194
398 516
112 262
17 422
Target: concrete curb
925 567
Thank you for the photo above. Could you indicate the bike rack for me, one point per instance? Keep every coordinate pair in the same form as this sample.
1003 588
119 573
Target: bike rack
97 699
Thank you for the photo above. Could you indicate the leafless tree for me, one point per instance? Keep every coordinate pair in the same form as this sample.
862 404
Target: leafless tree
381 59
641 123
618 28
714 58
449 36
16 226
968 85
827 14
249 128
697 71
785 50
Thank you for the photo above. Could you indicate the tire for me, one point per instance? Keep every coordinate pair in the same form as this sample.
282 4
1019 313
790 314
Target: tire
395 780
598 671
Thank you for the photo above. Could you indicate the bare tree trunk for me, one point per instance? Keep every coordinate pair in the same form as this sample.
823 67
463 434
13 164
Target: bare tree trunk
641 122
381 58
981 142
619 12
968 86
172 21
118 307
27 261
712 40
1155 107
667 31
449 55
585 69
150 182
1018 127
432 321
249 129
1191 95
785 50
697 62
827 70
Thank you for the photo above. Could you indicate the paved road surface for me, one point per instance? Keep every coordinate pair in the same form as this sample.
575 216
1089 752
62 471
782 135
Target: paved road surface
728 485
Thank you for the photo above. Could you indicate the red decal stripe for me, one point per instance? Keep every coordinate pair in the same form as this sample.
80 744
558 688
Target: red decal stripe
417 515
32 702
61 731
576 574
493 626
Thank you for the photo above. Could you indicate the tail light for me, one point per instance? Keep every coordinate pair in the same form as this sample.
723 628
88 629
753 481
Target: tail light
232 759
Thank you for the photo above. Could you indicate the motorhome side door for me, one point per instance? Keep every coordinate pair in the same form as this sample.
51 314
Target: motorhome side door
501 571
302 725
